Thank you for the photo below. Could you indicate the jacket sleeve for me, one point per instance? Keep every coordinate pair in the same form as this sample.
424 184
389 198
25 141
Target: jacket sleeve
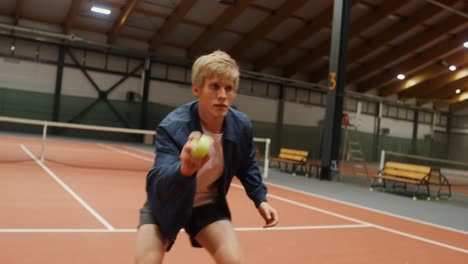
165 183
249 173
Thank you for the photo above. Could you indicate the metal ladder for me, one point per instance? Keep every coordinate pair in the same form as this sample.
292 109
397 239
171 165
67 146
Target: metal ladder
354 153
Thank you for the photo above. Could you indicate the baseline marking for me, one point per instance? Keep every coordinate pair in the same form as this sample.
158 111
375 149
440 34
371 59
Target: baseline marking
68 189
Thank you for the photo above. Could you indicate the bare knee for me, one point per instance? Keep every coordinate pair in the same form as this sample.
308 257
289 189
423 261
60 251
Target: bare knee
150 246
220 240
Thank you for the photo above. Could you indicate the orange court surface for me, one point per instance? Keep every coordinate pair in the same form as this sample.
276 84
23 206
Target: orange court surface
58 212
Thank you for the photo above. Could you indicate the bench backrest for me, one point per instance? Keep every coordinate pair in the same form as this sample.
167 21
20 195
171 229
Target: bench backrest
293 154
406 170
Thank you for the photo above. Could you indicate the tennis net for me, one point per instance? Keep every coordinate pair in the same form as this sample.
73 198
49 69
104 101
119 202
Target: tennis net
87 146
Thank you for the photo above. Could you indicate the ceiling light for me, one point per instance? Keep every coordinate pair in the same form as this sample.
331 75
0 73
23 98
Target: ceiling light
453 68
401 76
100 10
465 44
457 91
12 48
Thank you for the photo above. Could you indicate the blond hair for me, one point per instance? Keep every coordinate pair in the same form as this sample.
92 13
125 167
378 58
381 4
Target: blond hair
217 63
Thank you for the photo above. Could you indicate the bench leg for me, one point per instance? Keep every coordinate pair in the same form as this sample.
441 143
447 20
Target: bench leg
441 186
428 191
415 197
378 182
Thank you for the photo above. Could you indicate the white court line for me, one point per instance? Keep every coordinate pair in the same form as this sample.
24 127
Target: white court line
68 189
369 209
139 150
281 228
126 152
77 230
364 222
239 229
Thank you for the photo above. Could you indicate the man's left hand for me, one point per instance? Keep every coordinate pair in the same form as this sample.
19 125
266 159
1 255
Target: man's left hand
269 214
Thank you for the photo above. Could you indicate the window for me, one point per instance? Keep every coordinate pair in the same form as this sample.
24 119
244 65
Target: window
260 89
291 93
303 96
410 115
274 90
392 111
350 104
442 120
372 108
401 113
245 86
315 98
425 117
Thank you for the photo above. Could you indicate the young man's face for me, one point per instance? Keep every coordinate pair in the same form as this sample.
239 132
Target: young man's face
215 97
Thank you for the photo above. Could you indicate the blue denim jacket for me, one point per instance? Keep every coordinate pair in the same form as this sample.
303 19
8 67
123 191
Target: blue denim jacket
170 194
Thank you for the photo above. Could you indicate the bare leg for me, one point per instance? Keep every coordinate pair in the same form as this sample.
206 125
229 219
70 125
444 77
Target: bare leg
221 241
150 245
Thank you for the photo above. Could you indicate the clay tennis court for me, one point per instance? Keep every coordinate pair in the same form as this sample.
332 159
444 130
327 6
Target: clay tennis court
59 212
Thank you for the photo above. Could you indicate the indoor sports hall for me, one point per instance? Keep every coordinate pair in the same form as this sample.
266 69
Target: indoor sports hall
359 112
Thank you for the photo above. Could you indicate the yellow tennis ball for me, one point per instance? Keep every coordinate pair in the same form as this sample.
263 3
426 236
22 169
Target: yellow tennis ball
201 147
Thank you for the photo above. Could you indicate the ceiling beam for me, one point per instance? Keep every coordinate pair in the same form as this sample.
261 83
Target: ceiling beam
382 39
123 17
229 14
458 106
449 90
440 99
109 3
266 26
425 88
444 48
429 72
191 22
171 22
269 10
432 34
194 23
449 8
103 30
295 39
356 28
72 13
18 10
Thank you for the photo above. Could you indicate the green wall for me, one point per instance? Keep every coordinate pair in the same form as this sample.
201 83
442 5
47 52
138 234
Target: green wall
33 105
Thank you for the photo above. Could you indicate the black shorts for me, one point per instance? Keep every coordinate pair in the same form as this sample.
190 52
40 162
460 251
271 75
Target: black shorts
201 217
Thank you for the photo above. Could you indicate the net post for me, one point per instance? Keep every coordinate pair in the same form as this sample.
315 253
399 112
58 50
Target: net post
266 164
44 135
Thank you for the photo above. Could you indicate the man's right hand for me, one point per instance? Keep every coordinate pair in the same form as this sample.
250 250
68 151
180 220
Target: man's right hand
188 164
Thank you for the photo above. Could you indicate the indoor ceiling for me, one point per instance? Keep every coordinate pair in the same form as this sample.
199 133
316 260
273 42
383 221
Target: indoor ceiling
287 38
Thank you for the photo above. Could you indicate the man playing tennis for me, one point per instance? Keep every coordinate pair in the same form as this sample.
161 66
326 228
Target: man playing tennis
188 192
